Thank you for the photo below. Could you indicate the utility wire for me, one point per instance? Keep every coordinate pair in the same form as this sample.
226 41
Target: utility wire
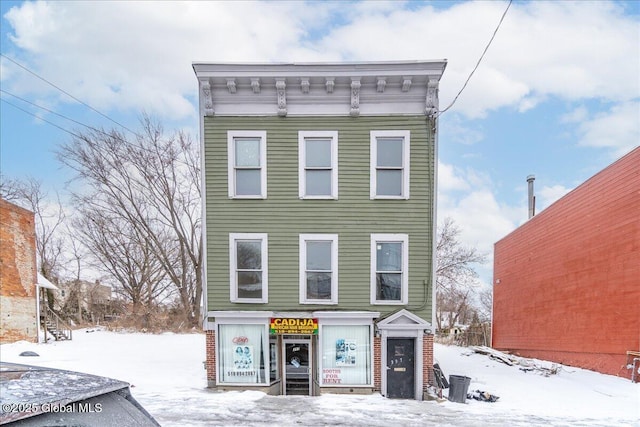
116 136
40 118
479 60
66 93
53 112
68 118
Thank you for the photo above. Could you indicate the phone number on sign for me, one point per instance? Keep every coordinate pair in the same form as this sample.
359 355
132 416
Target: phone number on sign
51 407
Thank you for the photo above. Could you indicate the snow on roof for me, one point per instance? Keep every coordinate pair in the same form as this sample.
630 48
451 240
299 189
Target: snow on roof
44 283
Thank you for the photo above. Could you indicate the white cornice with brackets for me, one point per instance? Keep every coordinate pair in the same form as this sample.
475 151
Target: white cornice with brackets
350 89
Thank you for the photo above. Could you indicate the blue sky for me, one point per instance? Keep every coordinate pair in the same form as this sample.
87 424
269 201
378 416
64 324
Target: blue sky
557 95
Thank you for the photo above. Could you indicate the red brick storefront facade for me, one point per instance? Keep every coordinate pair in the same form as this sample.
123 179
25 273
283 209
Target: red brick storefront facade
567 283
210 363
427 360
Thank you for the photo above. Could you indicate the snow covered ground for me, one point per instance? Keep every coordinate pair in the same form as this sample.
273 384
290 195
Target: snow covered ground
168 378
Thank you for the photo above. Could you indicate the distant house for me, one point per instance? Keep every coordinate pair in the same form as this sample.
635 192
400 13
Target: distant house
18 277
84 299
567 282
319 185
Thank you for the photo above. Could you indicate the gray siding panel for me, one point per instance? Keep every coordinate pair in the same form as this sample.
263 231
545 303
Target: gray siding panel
353 216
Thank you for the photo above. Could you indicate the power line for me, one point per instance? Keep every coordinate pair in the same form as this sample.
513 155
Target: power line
479 60
116 136
40 118
52 112
66 93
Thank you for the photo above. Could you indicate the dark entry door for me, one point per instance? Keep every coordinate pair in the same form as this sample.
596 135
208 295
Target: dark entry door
297 375
400 368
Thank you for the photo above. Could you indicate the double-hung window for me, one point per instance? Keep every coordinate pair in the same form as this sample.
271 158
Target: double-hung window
248 270
318 268
318 164
247 155
389 268
390 151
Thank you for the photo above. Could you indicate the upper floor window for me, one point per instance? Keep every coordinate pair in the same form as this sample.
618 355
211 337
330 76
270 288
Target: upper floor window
247 154
389 164
318 268
389 268
248 270
318 164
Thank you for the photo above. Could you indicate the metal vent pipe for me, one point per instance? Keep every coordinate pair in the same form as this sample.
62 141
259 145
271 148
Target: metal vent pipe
532 198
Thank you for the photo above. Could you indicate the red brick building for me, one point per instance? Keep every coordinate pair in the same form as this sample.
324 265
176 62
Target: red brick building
18 276
567 282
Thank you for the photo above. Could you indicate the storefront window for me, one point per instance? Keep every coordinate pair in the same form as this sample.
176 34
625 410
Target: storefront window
346 355
274 372
242 354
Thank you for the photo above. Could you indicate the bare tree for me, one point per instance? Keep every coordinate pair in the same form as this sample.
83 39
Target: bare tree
486 304
9 189
151 184
455 277
126 258
48 218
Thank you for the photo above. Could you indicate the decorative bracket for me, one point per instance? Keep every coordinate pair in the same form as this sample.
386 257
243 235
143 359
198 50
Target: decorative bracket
304 84
231 85
282 97
205 86
406 83
355 96
330 83
382 82
431 103
255 84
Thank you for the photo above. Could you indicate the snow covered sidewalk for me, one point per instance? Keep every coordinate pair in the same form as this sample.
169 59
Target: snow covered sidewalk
168 379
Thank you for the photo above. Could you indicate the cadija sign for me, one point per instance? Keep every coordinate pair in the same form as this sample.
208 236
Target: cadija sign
289 325
240 340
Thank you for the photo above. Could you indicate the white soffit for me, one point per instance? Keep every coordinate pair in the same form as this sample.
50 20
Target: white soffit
319 88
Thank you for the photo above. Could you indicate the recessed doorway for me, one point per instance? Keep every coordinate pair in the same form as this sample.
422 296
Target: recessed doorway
400 369
297 366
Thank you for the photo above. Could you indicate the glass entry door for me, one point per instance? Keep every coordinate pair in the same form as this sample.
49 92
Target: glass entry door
297 366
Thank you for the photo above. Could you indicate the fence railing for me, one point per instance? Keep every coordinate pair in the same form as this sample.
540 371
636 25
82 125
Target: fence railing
54 325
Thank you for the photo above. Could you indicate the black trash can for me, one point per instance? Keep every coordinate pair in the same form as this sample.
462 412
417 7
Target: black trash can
458 387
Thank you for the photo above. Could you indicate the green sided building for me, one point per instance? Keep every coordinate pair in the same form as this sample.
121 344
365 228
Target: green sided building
319 183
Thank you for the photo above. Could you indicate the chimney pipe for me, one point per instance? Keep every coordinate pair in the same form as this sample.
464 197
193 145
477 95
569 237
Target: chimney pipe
532 198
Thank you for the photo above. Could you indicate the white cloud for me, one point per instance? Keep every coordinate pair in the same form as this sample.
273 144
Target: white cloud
618 128
137 55
572 50
482 221
454 129
577 115
549 194
448 180
467 197
529 102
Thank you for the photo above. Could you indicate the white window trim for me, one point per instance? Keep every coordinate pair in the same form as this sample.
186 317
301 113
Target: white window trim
333 238
265 349
350 322
406 157
233 285
302 182
404 239
231 156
